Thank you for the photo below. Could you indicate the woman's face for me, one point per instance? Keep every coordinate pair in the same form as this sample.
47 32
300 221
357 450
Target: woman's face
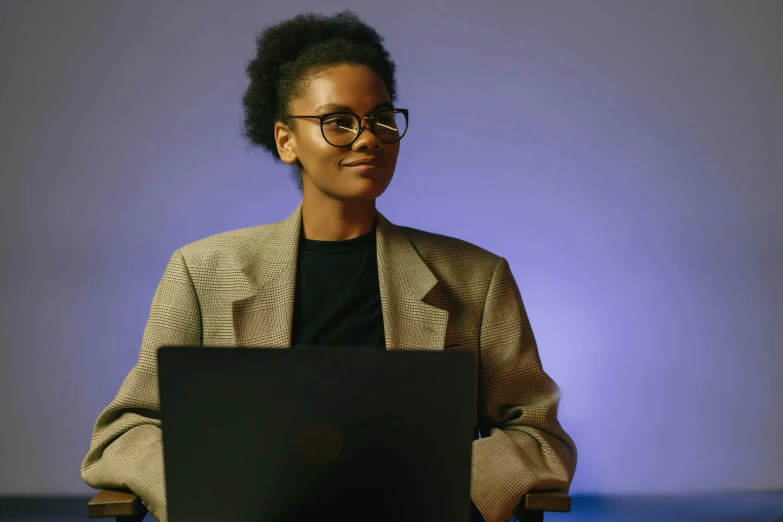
327 170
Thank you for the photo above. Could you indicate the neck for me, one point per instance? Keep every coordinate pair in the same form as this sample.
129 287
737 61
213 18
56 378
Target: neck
335 220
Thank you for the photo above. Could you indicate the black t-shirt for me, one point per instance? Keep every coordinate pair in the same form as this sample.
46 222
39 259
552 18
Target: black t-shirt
338 297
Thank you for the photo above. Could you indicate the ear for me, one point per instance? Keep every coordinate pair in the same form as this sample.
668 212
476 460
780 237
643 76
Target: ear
286 143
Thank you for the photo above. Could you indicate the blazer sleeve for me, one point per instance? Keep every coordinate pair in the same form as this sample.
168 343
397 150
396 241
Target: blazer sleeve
523 447
126 450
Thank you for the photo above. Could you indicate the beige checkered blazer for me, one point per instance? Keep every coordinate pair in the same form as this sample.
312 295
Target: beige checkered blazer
237 289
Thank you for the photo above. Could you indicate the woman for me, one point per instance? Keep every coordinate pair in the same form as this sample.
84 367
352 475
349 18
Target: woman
336 272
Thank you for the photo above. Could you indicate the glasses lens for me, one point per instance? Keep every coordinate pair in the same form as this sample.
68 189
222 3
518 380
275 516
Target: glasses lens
390 125
340 129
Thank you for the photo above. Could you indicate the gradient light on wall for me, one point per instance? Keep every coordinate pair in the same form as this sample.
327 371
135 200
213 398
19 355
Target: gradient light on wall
625 157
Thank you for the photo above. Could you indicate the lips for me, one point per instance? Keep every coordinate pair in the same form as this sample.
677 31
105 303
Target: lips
372 162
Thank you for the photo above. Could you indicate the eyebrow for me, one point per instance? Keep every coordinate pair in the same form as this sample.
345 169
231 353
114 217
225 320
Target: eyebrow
344 108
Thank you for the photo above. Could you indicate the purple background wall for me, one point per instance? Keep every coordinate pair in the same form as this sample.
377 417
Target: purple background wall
625 156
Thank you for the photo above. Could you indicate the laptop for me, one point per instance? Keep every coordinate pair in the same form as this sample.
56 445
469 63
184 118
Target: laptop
316 434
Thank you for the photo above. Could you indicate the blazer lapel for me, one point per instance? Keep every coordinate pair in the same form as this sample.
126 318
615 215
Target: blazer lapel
263 315
263 312
405 280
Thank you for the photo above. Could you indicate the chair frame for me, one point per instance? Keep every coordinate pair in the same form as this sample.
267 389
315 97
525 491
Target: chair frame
124 506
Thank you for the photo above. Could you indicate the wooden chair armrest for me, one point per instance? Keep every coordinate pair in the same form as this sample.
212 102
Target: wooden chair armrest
546 501
125 505
121 504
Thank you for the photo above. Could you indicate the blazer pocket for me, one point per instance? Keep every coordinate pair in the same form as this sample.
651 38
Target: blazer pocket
459 347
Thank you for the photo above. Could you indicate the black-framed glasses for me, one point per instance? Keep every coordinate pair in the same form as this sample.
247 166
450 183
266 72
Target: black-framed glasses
341 129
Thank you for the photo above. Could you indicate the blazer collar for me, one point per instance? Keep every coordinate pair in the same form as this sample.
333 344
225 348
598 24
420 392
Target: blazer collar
263 314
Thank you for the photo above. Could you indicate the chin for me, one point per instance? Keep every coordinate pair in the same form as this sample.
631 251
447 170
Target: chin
366 187
363 194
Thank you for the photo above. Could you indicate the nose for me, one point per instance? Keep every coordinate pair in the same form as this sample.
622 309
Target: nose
367 139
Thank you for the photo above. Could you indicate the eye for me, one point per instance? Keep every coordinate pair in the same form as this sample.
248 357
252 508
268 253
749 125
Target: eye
340 121
386 119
